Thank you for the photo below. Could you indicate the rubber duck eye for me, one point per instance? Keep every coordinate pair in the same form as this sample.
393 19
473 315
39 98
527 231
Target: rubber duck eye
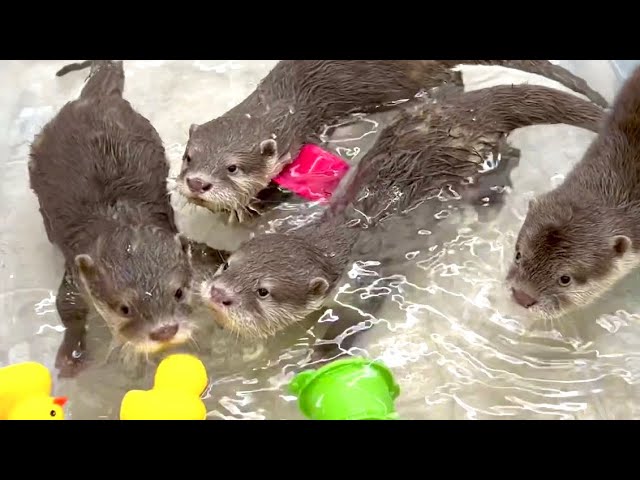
52 413
263 292
124 310
179 294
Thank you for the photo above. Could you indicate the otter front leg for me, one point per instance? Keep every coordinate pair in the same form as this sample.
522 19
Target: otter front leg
73 311
348 318
328 349
266 200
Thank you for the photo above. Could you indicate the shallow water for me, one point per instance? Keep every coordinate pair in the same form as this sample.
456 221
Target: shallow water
457 345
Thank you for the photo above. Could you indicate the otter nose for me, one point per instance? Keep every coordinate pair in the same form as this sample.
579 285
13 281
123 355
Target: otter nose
220 296
197 185
164 333
523 299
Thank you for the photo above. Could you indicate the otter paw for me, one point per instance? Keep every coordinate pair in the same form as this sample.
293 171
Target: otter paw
245 216
69 364
326 352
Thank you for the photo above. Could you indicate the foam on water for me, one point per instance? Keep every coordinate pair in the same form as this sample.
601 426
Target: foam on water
457 344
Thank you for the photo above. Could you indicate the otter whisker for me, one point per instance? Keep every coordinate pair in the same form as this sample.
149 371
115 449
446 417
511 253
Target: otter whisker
219 253
266 201
113 347
194 343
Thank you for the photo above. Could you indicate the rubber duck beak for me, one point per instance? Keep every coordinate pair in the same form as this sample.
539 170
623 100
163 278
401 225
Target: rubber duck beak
60 401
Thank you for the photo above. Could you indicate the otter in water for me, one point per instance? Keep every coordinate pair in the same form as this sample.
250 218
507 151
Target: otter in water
275 280
230 160
99 171
581 238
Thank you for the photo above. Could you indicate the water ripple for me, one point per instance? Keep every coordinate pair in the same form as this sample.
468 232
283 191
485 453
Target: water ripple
434 307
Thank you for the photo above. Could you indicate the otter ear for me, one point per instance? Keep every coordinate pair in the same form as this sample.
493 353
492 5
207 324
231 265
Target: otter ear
86 265
184 243
318 287
193 128
268 148
620 244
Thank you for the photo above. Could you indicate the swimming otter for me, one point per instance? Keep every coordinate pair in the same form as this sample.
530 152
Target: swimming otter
228 161
275 280
582 237
99 171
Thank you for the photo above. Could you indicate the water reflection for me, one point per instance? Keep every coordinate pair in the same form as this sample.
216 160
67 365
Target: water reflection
458 346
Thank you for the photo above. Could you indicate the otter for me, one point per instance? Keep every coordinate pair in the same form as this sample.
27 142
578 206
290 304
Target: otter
275 280
582 237
99 170
230 160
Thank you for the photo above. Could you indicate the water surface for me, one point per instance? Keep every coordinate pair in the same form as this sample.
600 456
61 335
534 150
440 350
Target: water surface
458 347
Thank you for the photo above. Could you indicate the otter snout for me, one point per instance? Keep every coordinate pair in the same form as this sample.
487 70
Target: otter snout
198 185
522 298
164 333
220 296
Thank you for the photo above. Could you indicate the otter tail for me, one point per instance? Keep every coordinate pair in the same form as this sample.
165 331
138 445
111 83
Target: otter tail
546 69
510 107
106 77
625 111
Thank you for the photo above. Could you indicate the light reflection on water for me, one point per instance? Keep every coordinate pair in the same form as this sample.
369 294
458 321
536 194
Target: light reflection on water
457 345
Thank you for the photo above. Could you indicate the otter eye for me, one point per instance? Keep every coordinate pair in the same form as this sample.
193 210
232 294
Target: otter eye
232 168
518 256
187 158
124 310
263 292
52 413
179 294
225 265
564 280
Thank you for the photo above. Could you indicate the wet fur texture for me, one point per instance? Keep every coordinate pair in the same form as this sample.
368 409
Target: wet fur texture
238 154
439 143
99 171
587 229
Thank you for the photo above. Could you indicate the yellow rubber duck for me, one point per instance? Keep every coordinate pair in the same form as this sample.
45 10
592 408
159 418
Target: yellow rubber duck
41 407
25 393
178 384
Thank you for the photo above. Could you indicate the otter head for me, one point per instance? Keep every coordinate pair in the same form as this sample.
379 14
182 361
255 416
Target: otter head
272 281
568 254
138 279
227 162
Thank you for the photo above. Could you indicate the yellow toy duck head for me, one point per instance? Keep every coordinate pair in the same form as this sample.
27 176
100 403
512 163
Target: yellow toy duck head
179 382
25 393
41 407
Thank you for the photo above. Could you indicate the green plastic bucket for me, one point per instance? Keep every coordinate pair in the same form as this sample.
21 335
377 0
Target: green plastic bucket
349 389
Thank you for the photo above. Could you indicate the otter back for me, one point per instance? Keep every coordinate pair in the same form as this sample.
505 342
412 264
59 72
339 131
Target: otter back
579 239
96 155
99 170
261 291
230 159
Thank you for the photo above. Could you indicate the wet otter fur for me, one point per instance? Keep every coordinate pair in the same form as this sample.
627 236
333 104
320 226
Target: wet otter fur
99 170
579 239
230 160
275 280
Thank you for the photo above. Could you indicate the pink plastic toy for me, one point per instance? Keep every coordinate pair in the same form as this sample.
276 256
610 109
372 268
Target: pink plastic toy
314 174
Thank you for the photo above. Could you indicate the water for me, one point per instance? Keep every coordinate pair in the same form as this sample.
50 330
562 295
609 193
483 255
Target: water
457 345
